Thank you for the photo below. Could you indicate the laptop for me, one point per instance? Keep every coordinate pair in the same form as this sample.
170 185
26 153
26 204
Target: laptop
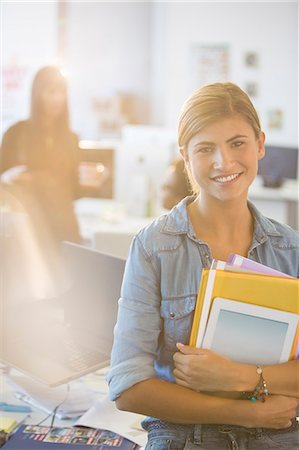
58 339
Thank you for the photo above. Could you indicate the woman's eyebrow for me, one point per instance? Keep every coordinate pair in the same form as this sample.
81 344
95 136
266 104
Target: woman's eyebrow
237 136
204 143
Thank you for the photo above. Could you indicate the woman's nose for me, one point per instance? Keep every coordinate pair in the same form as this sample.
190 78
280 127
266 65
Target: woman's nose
222 159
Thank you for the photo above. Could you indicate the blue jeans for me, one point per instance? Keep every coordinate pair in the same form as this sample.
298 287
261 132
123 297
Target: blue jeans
170 436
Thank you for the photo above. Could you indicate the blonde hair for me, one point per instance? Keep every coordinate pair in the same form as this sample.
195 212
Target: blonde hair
211 103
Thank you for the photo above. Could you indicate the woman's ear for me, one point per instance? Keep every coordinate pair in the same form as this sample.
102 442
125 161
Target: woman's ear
261 146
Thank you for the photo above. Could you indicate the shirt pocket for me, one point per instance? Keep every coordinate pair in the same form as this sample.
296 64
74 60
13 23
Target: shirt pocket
177 317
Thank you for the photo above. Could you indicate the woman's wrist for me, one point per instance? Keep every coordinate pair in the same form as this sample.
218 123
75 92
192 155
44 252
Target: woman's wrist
246 377
239 412
260 391
248 414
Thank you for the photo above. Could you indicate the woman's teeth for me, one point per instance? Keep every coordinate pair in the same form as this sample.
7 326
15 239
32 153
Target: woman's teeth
226 179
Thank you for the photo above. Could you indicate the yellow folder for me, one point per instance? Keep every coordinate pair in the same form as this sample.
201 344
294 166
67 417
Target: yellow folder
257 289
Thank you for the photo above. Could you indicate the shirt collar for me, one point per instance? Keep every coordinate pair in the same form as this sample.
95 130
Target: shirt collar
263 227
178 222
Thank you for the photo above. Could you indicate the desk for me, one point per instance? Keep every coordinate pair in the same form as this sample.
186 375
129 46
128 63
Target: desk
280 203
8 395
105 226
102 413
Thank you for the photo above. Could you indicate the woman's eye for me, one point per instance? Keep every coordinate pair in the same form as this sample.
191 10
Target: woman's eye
204 150
238 143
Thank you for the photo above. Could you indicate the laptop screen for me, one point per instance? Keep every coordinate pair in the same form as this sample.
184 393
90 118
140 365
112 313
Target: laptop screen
58 339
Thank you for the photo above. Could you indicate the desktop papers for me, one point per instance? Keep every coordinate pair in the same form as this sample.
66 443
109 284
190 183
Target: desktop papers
73 399
34 437
105 415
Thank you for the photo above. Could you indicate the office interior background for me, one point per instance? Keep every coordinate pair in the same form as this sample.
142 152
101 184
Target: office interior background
129 67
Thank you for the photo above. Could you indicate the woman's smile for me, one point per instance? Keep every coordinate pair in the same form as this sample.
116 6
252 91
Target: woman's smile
226 179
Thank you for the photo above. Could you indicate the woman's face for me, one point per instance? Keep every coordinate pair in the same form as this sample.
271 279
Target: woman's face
53 100
223 158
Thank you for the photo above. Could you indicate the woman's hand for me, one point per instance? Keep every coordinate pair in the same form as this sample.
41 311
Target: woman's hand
15 174
203 370
276 412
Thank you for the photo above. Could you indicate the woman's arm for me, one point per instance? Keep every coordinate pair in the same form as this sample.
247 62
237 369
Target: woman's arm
174 403
281 378
204 370
137 337
10 147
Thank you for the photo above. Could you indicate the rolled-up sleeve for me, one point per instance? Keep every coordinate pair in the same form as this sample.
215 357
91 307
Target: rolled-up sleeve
138 327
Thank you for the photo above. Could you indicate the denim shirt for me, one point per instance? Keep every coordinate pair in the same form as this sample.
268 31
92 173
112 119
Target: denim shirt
160 287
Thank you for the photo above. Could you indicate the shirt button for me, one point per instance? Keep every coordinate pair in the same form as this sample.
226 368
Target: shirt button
207 256
172 315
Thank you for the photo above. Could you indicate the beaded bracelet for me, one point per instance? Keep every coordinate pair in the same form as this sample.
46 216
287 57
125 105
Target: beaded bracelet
260 391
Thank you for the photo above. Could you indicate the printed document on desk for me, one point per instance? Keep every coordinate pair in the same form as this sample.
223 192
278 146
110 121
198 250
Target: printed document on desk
34 437
73 399
105 415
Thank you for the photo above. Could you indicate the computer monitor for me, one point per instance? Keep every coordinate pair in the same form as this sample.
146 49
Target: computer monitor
101 156
143 156
279 163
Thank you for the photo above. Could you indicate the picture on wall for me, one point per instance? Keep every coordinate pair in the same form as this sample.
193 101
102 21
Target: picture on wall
208 64
251 59
275 119
251 88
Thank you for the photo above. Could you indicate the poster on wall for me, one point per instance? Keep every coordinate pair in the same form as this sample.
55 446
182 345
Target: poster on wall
252 89
275 119
251 59
15 84
208 64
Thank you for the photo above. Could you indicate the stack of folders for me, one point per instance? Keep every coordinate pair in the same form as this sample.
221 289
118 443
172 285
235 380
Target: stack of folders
247 312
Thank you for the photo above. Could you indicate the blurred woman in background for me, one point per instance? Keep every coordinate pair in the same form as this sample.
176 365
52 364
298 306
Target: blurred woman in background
176 184
39 157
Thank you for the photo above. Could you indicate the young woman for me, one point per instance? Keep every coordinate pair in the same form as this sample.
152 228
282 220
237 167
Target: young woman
40 155
193 397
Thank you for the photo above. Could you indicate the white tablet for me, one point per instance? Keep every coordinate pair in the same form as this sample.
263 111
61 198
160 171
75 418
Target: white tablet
250 334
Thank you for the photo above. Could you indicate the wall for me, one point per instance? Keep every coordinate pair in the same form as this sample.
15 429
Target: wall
268 28
107 53
28 41
144 49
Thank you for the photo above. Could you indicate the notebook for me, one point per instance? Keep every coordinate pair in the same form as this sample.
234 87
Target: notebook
59 339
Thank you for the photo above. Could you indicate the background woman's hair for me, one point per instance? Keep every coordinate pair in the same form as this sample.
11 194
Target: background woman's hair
182 187
46 77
